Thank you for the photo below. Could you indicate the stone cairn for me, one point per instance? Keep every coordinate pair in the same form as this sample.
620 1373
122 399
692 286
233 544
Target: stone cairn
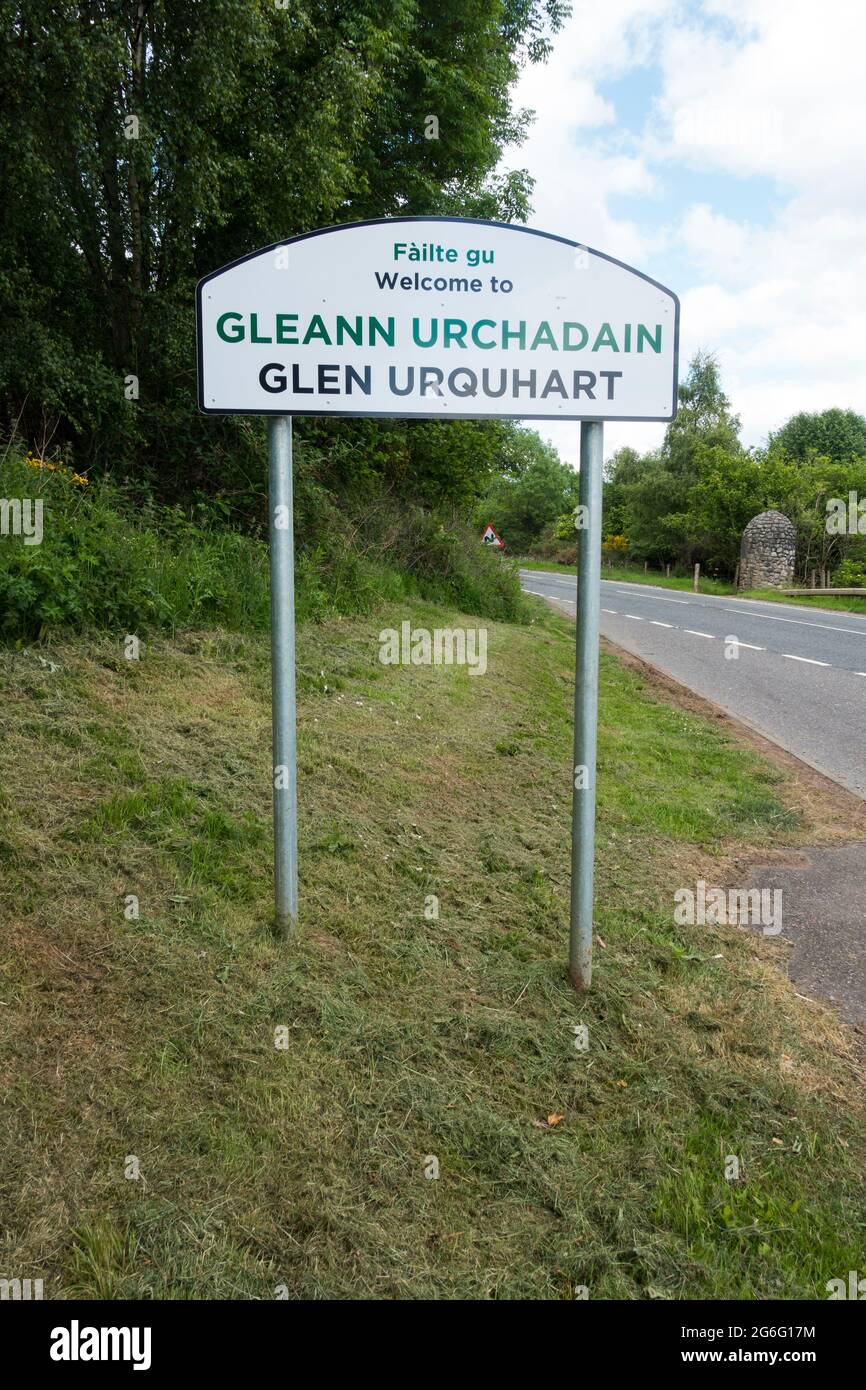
767 552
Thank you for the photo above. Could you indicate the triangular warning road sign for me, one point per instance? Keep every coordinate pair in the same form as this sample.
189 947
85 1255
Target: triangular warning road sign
491 536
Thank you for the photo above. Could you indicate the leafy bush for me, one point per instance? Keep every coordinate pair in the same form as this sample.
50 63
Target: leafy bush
106 561
851 574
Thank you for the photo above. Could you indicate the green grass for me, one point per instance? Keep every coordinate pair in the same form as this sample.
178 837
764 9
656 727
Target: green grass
624 574
406 1035
837 602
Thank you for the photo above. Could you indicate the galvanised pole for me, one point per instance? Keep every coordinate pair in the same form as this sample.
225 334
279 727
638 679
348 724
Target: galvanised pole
285 770
586 702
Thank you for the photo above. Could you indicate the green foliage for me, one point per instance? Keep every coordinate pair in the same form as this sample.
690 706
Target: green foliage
254 123
690 500
703 417
528 498
429 461
105 561
647 497
852 572
835 434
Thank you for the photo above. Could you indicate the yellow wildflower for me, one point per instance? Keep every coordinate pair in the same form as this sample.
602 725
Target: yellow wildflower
33 462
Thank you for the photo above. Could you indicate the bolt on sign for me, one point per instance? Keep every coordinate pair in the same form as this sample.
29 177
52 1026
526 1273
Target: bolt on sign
436 317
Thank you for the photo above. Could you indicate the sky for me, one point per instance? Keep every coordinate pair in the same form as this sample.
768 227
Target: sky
718 146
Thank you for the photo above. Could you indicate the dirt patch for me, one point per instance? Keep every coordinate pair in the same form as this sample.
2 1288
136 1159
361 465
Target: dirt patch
823 888
824 918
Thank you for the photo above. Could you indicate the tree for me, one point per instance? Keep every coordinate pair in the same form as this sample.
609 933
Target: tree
621 469
703 417
524 501
182 135
835 434
654 515
648 496
730 489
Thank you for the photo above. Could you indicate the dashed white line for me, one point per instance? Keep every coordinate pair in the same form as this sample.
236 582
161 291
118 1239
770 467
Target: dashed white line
693 632
656 598
802 622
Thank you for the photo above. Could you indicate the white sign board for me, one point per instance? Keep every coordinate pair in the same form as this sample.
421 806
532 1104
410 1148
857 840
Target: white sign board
438 317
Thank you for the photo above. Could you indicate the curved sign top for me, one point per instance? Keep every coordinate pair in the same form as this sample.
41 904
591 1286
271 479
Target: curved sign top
437 317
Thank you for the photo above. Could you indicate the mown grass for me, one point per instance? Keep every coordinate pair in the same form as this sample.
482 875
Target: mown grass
625 574
407 1036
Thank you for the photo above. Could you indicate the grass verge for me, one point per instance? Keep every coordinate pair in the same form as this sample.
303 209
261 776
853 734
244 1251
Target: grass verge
282 1102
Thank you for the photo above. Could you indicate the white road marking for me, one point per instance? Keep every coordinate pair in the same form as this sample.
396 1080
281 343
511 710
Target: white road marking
754 606
750 646
803 622
656 597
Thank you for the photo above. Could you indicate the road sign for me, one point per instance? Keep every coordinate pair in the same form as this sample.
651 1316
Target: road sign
492 537
446 318
436 317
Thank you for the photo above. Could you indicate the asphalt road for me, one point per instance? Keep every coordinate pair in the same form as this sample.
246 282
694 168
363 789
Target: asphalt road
799 675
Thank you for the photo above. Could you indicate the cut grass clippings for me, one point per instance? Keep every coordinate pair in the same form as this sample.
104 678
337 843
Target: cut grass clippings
282 1101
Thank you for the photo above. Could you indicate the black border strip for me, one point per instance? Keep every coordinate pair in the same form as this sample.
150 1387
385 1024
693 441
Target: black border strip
437 415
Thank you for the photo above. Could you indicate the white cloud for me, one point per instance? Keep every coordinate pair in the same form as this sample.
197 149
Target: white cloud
770 89
568 151
785 102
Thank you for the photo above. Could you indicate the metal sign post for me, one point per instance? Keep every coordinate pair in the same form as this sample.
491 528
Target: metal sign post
285 769
586 704
436 318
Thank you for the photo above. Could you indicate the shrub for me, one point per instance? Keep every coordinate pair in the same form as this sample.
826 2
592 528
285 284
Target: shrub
107 561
